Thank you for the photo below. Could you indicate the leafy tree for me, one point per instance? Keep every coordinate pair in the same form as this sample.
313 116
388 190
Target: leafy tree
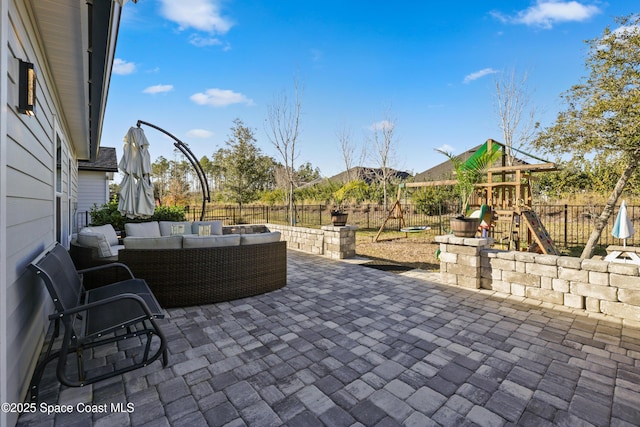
246 170
209 169
178 192
568 179
603 111
355 189
430 200
306 173
160 177
321 192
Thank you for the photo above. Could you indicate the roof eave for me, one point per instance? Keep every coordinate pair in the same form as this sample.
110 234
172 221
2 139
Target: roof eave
78 38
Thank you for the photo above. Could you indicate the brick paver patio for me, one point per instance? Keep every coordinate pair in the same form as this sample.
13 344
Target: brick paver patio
347 345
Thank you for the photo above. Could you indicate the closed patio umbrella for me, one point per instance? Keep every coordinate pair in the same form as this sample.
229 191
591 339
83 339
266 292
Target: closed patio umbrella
136 190
622 227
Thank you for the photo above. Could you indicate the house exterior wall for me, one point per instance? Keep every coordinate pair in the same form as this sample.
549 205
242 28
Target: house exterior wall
36 195
93 188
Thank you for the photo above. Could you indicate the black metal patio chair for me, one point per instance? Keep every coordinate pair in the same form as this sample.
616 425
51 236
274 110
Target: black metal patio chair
109 314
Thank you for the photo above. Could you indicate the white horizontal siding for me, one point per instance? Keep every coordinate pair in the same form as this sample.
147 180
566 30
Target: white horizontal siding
27 204
93 188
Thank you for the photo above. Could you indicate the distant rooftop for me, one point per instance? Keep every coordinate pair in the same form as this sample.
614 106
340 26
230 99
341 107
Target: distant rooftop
368 175
106 161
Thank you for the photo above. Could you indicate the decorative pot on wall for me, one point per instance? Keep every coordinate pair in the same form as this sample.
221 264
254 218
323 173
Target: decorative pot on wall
339 219
464 227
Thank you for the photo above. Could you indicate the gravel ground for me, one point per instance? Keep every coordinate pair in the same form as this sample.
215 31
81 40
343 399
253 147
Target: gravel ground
415 251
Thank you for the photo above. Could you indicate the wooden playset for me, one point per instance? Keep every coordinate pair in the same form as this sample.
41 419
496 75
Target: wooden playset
507 191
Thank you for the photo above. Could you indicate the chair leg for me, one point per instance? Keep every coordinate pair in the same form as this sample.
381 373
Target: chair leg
34 385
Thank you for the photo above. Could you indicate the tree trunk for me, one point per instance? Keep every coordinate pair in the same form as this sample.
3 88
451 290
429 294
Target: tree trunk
292 217
603 219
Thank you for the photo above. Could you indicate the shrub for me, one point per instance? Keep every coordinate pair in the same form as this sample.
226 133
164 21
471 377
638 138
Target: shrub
109 214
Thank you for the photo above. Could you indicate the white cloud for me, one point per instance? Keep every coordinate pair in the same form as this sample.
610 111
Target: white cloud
158 89
546 13
122 67
479 74
199 133
200 41
446 148
202 15
220 98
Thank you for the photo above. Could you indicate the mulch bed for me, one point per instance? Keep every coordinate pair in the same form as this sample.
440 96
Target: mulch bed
386 266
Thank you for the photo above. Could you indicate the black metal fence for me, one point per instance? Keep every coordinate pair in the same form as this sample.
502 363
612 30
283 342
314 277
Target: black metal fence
568 225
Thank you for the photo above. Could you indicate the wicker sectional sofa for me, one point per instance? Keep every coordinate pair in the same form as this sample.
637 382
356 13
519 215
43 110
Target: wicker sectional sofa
197 273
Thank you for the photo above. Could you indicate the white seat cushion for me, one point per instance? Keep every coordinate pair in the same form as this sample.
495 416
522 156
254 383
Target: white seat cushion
142 229
96 240
216 227
257 238
193 241
164 242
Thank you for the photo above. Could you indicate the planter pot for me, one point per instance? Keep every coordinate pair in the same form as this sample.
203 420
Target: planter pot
339 219
464 227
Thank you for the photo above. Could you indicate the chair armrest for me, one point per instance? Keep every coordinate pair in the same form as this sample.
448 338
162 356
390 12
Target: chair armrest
105 266
109 300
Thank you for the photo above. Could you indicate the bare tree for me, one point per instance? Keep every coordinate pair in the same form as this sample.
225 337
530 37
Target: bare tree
513 106
383 143
347 148
283 130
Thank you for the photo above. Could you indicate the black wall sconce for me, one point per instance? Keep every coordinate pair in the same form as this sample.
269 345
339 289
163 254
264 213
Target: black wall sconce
26 88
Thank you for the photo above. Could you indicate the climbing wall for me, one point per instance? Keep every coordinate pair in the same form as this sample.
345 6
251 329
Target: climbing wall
539 233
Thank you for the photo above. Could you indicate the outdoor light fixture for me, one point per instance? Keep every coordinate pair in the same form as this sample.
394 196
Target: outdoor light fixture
26 88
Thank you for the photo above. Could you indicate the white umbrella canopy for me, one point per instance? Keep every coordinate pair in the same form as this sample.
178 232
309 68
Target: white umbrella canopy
136 190
622 227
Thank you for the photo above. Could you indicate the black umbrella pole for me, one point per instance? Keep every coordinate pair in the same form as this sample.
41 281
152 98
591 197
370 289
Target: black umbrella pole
184 149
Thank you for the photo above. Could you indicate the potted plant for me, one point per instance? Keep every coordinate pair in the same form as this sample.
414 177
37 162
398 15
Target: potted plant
469 173
339 217
338 214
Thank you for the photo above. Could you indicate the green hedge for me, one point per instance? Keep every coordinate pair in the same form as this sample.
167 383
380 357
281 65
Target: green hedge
108 214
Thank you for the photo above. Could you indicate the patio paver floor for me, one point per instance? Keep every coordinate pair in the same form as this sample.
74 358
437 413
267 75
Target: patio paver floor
345 345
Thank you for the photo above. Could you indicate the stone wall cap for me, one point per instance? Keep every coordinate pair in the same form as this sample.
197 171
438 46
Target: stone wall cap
546 259
467 241
508 255
492 253
334 228
626 269
595 265
526 256
570 262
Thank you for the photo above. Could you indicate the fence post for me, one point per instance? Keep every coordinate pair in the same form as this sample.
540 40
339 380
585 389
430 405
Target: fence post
320 210
368 213
566 220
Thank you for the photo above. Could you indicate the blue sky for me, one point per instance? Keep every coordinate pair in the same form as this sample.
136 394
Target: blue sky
193 66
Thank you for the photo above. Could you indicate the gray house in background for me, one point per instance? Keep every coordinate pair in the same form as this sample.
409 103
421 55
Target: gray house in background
69 46
93 182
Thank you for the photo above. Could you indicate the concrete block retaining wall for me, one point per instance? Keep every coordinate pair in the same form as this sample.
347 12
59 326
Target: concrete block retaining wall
592 285
330 241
